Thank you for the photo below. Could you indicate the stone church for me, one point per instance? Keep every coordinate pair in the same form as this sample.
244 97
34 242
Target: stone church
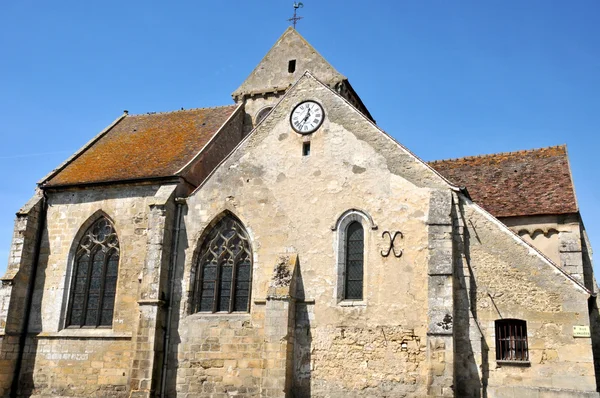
286 246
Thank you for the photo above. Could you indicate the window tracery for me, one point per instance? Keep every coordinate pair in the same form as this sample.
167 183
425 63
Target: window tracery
94 283
224 269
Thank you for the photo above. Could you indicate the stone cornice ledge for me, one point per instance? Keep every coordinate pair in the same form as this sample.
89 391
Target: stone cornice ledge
448 333
156 302
84 334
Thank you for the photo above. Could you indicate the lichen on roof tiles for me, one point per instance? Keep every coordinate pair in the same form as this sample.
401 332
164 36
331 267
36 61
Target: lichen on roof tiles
529 182
144 146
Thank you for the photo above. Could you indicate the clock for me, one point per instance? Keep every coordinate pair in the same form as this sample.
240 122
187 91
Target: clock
307 117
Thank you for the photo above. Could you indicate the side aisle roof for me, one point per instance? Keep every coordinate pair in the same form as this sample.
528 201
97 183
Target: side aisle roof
531 182
140 147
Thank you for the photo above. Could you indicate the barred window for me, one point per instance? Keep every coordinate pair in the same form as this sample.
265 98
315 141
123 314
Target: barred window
224 269
94 283
511 340
354 261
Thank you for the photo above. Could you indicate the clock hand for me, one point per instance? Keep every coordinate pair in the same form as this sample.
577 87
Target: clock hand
307 114
303 123
305 118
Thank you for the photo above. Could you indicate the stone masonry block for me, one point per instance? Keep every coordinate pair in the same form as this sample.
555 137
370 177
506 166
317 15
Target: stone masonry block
570 258
440 261
569 242
440 206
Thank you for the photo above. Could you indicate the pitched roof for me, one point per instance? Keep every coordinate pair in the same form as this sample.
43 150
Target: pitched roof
531 182
272 73
143 146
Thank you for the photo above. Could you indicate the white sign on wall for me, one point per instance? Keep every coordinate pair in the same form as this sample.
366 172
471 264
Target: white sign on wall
581 331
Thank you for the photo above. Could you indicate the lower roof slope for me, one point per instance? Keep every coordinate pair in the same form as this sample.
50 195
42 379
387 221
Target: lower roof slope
143 147
531 182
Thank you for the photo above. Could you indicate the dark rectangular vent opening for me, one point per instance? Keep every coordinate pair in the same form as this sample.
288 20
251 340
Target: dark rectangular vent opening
292 66
306 148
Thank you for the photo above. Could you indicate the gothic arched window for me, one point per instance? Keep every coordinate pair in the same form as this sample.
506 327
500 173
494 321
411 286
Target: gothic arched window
355 247
94 284
224 269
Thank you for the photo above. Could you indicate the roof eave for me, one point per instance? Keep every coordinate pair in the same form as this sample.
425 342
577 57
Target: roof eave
140 180
360 101
84 148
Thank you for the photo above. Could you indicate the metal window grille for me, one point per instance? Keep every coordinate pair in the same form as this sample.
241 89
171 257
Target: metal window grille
511 340
354 261
224 269
94 284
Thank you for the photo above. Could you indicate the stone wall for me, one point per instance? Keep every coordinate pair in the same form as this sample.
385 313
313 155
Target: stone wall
558 237
362 361
291 202
218 354
499 277
63 361
76 366
16 288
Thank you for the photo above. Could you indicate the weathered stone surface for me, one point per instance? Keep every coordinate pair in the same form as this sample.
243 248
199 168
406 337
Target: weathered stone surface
274 72
440 207
278 215
85 362
424 326
502 279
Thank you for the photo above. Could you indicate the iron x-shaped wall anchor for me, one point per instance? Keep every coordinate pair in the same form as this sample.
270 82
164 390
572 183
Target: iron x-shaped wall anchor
392 240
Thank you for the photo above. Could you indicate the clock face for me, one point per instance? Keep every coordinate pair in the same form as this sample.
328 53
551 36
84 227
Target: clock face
307 117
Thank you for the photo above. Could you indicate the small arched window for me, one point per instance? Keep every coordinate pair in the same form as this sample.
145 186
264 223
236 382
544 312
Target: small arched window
262 114
224 269
351 242
355 247
94 283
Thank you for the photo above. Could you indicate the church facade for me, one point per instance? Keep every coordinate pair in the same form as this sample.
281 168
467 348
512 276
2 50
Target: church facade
286 246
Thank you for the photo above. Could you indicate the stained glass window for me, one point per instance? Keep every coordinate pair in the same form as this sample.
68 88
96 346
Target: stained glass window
355 247
224 269
94 285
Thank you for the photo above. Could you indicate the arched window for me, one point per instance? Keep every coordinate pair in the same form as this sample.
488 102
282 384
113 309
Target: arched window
355 247
224 269
94 283
351 242
262 114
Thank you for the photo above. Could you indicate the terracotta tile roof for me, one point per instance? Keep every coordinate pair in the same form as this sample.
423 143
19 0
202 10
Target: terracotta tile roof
519 183
144 146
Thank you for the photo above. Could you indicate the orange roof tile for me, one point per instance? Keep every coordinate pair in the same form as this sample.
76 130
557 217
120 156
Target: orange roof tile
144 146
519 183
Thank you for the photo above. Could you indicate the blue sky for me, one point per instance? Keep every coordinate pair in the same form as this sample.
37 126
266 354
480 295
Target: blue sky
446 79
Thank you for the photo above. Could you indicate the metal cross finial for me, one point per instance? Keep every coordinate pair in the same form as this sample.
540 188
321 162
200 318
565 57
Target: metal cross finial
295 18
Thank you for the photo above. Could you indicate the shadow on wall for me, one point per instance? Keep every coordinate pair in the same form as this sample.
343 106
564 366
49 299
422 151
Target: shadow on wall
595 334
27 385
468 381
302 364
170 387
593 311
